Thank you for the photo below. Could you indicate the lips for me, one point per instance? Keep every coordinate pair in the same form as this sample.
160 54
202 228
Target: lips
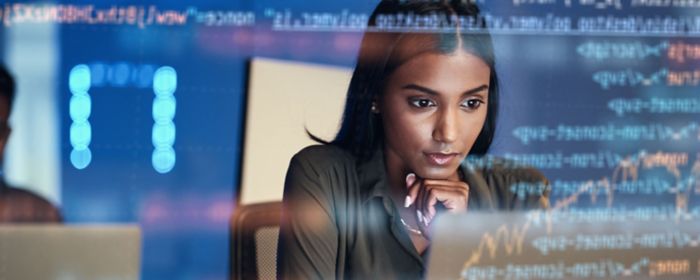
441 158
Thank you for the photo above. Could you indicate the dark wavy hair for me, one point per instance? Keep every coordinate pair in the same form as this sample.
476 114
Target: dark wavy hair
386 47
7 85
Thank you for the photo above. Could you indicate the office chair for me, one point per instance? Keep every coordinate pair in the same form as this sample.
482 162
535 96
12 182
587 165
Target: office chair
255 229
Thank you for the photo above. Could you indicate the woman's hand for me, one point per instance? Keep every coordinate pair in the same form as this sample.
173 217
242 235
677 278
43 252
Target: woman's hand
428 195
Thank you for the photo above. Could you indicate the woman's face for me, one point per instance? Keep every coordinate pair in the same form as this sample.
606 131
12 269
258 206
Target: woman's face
433 109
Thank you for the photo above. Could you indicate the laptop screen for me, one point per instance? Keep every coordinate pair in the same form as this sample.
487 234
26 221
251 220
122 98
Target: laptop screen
70 252
564 245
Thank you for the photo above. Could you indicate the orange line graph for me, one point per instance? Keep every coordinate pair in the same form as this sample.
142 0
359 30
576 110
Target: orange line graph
512 243
511 239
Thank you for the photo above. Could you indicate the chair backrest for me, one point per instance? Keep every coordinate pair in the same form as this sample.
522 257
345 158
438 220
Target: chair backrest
255 229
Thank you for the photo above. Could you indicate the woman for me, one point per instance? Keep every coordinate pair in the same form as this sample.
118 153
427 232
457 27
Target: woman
360 207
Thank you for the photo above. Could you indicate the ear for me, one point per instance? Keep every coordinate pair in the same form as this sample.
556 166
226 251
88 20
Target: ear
374 107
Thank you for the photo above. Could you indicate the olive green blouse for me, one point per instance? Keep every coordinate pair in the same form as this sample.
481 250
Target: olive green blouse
340 222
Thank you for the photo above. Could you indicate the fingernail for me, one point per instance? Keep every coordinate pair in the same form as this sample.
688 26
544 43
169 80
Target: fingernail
408 201
420 216
410 178
426 221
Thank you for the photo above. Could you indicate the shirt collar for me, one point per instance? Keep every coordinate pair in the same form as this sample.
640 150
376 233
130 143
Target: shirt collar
372 177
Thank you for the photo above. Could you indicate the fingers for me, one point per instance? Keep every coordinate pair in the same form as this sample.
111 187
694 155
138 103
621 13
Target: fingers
427 194
454 200
413 186
416 197
451 195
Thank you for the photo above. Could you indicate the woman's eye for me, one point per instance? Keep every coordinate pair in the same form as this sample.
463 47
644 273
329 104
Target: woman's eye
422 102
472 104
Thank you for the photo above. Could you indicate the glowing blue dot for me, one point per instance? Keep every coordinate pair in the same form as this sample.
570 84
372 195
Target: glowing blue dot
80 107
163 159
165 81
80 158
80 135
144 76
163 135
121 74
97 74
79 79
164 109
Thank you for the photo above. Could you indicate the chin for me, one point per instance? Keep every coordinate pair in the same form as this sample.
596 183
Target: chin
437 173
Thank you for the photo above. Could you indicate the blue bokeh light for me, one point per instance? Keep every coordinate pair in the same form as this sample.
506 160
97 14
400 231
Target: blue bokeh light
163 159
80 107
79 79
80 135
163 135
165 81
144 76
81 158
120 74
164 109
98 72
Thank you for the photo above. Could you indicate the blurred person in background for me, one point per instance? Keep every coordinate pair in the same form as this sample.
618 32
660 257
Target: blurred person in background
18 205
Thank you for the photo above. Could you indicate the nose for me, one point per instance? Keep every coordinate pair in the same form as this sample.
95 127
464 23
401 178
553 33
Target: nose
446 126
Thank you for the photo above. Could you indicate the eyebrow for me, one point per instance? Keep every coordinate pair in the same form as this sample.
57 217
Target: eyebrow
433 92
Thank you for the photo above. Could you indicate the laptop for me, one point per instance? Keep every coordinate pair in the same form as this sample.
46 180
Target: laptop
565 245
69 252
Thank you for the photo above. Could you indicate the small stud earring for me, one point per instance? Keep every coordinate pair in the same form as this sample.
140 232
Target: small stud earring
374 108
